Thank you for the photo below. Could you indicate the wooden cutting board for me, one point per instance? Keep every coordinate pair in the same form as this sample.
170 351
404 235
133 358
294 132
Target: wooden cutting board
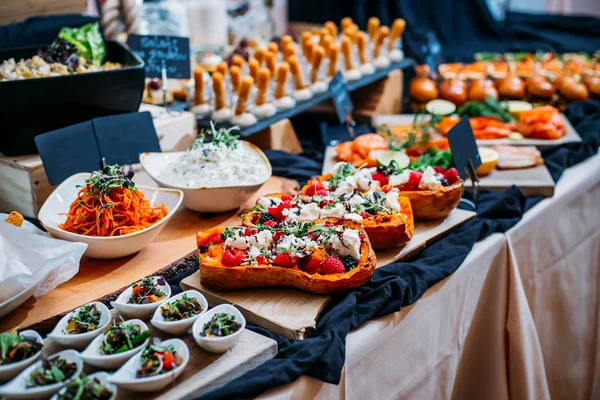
205 371
535 181
294 313
407 119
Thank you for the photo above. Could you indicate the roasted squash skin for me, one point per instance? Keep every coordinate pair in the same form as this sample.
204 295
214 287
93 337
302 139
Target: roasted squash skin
218 276
384 230
426 204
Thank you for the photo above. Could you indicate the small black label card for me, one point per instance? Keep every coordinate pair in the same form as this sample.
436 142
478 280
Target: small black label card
341 97
463 146
174 51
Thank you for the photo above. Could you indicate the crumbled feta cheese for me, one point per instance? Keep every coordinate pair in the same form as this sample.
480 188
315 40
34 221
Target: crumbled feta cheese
237 242
353 217
349 244
261 240
400 179
429 180
266 202
337 167
391 201
356 199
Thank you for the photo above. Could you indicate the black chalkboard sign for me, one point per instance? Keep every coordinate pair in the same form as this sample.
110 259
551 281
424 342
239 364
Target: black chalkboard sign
154 49
341 97
463 146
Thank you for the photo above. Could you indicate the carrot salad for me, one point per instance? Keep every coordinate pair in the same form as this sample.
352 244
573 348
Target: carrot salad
110 205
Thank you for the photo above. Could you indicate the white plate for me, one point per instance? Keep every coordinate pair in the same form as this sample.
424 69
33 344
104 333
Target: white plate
17 389
125 376
9 371
102 378
51 215
203 199
80 340
179 327
218 344
142 311
19 298
92 356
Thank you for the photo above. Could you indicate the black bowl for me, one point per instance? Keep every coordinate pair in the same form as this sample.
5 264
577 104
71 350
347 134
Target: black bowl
30 107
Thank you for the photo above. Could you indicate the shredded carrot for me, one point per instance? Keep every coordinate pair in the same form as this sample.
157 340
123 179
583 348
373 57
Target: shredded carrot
116 212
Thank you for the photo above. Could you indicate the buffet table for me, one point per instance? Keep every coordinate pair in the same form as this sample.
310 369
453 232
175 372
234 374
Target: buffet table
504 325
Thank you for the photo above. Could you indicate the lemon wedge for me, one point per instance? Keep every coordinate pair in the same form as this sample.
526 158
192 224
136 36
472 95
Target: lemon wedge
516 107
440 107
386 157
489 159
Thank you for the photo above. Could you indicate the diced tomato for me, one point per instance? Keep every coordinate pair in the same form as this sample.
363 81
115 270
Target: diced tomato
286 204
277 212
365 215
380 177
439 170
314 188
214 239
168 359
261 260
287 197
232 258
270 223
250 231
386 189
415 178
322 193
276 236
285 260
361 236
137 289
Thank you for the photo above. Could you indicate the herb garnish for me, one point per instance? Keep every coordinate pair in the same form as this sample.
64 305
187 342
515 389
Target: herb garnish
221 324
217 138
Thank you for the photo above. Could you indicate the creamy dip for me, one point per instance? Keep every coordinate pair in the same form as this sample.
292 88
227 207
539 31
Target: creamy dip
210 165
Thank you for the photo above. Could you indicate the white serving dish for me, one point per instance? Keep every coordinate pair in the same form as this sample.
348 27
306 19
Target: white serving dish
19 298
105 247
102 378
17 389
125 376
7 372
80 340
203 199
141 311
92 357
218 344
179 327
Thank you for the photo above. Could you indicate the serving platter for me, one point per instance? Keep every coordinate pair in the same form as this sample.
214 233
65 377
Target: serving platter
205 371
535 181
294 313
407 119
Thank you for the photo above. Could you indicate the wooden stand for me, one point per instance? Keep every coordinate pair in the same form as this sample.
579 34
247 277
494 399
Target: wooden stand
25 185
279 136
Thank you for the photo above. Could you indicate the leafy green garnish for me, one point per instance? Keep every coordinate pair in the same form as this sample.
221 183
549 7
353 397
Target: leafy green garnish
218 137
88 41
490 108
9 340
434 158
344 171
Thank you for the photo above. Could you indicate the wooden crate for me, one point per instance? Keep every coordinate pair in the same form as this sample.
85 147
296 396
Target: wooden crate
16 11
24 185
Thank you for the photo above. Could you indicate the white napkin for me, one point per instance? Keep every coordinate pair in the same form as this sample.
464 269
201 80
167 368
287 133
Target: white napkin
28 256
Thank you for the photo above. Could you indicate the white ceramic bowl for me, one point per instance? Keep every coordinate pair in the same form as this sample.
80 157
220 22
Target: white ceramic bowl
125 376
17 389
92 356
141 311
179 327
79 340
203 199
102 378
19 298
105 247
9 371
218 344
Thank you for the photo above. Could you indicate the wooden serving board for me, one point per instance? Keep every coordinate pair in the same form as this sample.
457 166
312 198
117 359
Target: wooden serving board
294 313
407 119
535 181
205 371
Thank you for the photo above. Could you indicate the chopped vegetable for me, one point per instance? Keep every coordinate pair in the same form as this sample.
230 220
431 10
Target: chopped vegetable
490 108
51 371
221 324
146 291
84 319
182 308
434 158
122 337
157 360
88 41
16 347
84 388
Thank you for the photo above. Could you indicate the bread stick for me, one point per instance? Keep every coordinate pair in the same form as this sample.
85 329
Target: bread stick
199 86
316 61
235 74
361 44
332 28
306 35
260 55
288 50
296 73
244 94
237 60
379 38
273 47
253 66
397 30
333 57
347 52
372 26
285 40
271 62
309 48
281 79
219 90
262 83
346 22
326 43
222 68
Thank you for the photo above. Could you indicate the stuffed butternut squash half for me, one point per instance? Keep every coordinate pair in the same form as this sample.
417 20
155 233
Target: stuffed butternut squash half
386 217
433 192
323 256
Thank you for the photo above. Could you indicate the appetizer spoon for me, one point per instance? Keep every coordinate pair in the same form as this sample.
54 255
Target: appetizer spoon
9 371
182 326
141 311
125 376
102 378
17 388
218 344
80 340
91 355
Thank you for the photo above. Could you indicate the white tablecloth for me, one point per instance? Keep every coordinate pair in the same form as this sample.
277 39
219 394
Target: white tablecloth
519 319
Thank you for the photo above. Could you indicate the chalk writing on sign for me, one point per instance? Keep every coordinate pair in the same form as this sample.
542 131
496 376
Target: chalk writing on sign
154 49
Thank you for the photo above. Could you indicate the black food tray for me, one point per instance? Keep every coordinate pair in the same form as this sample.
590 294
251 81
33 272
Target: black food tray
34 106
